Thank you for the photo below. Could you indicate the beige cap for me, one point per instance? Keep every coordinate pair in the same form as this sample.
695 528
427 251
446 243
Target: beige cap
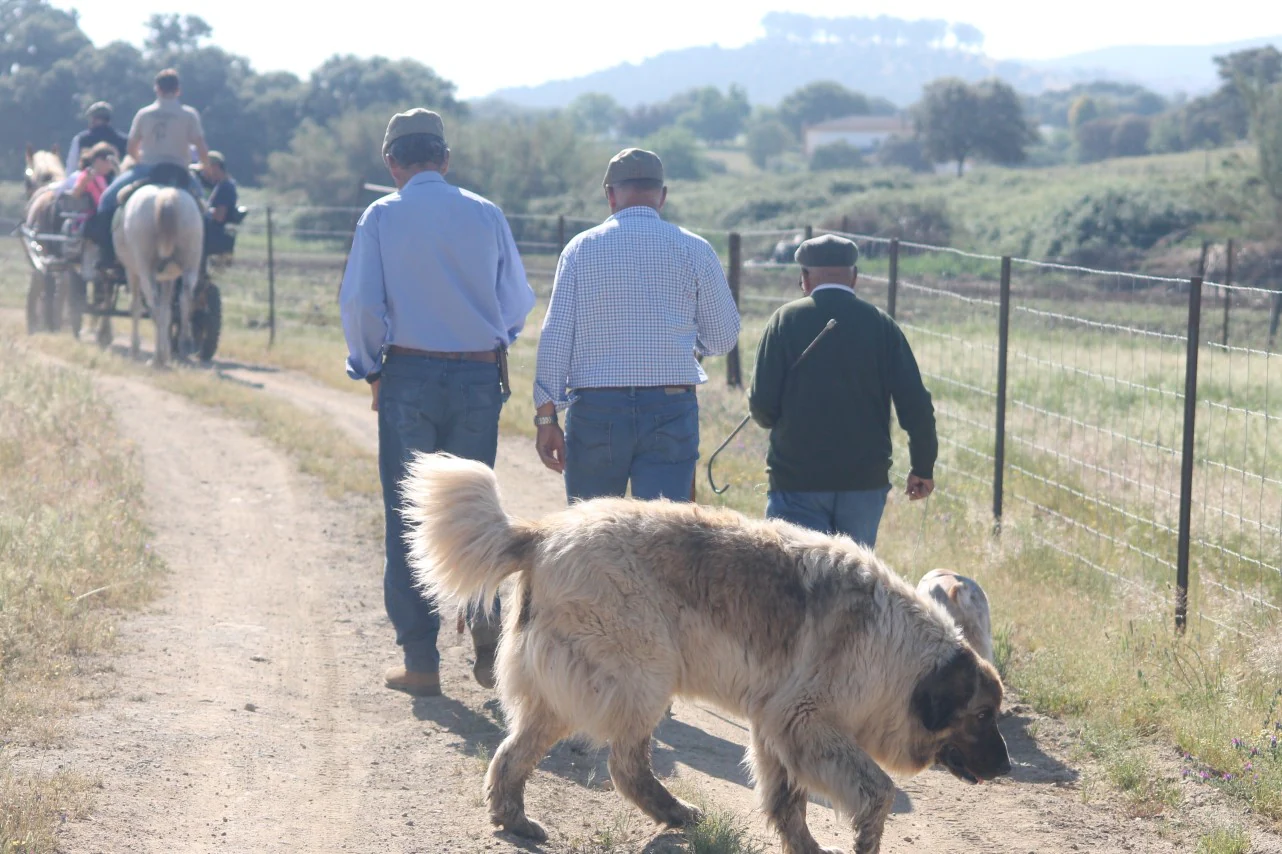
417 120
217 157
634 164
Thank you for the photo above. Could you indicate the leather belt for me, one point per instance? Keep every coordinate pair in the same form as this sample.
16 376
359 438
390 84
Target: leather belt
490 356
670 389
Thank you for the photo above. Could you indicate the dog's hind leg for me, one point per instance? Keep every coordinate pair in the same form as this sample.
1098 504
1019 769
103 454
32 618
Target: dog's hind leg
633 777
534 731
825 759
782 800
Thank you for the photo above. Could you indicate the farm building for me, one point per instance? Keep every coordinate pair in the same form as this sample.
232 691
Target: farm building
863 132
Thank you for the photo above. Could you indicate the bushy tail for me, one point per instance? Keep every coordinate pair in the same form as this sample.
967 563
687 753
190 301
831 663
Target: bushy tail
461 543
166 223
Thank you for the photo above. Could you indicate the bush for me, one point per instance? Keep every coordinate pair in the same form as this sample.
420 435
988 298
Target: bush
903 151
837 155
925 221
1104 227
766 140
680 152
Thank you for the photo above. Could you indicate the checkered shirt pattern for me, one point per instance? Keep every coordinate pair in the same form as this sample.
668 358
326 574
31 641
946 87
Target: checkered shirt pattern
635 299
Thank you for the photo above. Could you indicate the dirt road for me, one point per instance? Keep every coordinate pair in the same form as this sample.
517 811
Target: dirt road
248 712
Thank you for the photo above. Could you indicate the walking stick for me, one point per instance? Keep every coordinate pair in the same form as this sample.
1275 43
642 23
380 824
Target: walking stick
830 325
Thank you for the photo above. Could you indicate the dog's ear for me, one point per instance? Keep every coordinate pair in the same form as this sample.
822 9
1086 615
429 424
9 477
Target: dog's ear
954 591
946 690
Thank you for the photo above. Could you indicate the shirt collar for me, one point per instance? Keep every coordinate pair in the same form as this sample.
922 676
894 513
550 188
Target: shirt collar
635 210
430 176
834 286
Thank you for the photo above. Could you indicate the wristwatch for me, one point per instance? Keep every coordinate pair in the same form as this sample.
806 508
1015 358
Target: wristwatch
544 420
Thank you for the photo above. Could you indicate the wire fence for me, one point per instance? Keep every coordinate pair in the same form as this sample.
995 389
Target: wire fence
1130 423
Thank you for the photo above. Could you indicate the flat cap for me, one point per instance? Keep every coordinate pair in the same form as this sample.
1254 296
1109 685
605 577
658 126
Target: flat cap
417 120
217 157
99 108
827 250
634 164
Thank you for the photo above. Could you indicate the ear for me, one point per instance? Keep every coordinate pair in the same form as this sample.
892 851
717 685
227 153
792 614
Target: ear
954 591
945 691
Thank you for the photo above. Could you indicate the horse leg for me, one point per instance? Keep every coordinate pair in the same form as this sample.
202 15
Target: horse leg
162 312
135 311
187 288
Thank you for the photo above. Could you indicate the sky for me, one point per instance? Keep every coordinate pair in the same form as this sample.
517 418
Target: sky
483 46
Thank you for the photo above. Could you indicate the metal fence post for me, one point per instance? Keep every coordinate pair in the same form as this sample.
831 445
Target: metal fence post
271 282
892 278
734 371
1003 344
560 231
1186 455
809 231
1228 294
845 224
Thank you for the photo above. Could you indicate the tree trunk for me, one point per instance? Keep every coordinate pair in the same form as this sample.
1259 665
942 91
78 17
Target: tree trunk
961 162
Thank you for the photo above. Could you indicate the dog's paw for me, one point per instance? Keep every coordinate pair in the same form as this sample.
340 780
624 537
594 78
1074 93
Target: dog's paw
526 827
685 815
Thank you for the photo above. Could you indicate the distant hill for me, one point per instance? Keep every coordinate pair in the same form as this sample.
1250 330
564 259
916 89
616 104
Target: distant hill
1164 69
779 63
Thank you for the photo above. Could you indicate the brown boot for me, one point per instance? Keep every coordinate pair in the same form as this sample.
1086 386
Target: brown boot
420 684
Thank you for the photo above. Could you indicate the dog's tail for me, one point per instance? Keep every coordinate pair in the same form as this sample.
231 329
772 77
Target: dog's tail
461 543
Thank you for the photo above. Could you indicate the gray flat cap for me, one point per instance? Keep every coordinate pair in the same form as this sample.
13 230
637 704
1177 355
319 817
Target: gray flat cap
634 164
827 250
99 109
417 120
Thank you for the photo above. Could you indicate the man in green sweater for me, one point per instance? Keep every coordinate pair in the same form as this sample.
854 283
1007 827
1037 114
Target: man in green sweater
829 416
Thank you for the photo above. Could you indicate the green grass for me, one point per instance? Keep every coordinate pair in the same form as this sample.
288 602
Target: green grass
74 555
1225 840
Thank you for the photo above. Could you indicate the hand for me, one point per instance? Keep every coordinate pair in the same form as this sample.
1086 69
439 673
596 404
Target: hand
373 387
551 447
919 487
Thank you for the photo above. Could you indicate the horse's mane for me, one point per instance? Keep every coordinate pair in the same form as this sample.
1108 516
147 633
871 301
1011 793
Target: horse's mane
46 167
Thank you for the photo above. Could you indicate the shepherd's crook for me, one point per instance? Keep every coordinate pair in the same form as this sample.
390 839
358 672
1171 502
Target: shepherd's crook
831 324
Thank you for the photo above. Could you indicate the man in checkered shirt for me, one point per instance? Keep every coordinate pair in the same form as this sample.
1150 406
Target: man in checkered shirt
635 300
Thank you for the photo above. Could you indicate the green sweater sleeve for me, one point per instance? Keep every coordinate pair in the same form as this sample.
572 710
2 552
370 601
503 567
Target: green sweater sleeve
913 406
765 399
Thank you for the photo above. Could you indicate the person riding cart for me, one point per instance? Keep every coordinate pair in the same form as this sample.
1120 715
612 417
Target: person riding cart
158 141
223 210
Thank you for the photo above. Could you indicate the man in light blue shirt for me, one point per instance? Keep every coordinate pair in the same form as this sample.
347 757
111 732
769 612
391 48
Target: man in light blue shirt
433 295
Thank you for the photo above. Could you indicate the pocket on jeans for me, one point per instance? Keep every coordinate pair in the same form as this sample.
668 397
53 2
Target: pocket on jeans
587 442
674 436
483 402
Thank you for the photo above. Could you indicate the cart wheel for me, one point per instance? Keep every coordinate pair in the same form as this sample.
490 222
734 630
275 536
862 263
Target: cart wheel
207 325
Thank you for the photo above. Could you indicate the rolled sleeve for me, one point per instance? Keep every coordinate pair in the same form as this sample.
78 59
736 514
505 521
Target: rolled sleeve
716 315
362 300
556 339
515 296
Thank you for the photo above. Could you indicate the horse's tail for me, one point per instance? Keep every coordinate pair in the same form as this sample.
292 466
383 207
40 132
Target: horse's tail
166 222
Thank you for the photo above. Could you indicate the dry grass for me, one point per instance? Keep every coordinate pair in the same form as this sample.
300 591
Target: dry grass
74 553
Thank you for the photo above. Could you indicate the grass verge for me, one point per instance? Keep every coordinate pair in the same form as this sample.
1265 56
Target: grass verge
73 555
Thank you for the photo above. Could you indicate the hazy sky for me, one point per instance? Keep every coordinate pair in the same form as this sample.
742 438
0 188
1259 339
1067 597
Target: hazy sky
483 46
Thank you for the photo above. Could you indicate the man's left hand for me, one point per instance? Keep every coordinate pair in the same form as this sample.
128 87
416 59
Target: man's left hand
919 487
373 387
551 447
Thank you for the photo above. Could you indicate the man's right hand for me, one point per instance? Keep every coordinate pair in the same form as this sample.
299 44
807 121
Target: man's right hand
551 447
919 487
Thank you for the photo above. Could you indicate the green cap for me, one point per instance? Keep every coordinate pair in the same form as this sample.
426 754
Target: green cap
827 250
417 120
634 164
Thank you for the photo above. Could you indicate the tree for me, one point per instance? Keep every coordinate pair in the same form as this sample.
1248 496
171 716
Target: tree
904 151
679 151
175 33
34 35
647 119
956 120
1084 109
1093 140
767 138
595 113
817 102
714 117
1265 105
836 155
346 83
1130 136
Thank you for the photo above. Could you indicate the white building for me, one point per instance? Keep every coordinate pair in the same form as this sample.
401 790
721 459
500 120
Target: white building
862 132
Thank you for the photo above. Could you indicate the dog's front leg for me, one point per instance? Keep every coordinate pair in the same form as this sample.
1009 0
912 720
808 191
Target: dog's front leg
823 758
783 800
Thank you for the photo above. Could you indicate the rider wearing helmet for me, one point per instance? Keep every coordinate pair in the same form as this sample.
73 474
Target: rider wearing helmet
160 134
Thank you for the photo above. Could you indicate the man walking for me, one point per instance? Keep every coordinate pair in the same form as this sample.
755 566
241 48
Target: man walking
433 294
635 299
829 416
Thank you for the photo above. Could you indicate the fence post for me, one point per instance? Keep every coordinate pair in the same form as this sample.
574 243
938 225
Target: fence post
1003 344
1186 455
271 282
892 278
1228 294
560 231
809 231
734 373
845 224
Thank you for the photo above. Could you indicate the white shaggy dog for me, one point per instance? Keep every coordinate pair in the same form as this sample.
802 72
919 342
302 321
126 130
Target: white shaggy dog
965 601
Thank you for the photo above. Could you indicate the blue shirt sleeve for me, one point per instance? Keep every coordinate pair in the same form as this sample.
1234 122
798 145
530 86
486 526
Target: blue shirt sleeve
362 300
515 296
556 340
716 314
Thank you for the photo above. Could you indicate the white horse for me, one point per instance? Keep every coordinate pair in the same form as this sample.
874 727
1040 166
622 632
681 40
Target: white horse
159 236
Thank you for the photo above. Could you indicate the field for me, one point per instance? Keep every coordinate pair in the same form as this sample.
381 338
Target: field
1081 575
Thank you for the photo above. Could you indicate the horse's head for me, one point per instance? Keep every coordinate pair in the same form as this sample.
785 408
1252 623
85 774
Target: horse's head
43 167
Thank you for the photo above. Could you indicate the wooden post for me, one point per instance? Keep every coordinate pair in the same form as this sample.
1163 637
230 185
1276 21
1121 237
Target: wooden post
892 278
560 231
1228 294
810 232
845 224
734 369
271 283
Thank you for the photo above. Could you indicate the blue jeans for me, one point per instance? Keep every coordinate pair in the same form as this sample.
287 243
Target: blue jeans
429 405
857 514
643 435
107 203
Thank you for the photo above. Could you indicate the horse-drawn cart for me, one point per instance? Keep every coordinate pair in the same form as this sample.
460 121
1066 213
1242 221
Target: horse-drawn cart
58 286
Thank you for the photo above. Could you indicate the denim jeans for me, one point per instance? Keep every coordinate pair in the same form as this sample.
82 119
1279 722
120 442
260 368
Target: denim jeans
429 405
645 436
857 514
107 203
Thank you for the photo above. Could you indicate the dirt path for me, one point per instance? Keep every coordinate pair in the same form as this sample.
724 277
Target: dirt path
248 713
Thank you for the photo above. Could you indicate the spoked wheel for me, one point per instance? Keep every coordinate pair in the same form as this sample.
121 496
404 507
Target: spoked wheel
206 323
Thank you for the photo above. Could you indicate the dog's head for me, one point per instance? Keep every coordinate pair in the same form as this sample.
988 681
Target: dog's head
957 703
